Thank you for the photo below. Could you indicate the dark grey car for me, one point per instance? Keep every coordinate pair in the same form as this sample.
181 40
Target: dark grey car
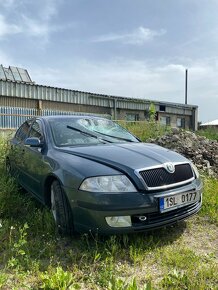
98 177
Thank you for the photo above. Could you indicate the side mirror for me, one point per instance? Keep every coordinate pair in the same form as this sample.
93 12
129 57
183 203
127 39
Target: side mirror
33 142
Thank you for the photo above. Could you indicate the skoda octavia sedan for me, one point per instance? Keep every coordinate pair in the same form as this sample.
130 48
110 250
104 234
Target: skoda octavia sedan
96 176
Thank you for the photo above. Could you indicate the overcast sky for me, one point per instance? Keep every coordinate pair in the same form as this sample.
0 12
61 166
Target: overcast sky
133 48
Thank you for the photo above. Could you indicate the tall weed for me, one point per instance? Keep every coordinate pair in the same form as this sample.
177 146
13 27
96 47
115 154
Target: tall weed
3 150
145 129
210 200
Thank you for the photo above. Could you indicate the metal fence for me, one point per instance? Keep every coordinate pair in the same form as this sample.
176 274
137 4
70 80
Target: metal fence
12 118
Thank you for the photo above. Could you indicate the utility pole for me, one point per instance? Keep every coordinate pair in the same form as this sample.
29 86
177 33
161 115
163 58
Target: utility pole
186 86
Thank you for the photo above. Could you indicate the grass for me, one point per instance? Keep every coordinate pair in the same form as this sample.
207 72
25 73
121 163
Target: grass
34 256
210 200
210 133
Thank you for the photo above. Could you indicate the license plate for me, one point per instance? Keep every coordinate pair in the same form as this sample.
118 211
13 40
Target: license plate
174 201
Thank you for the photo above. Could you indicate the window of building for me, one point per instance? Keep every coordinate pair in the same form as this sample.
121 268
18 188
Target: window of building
165 120
146 114
168 121
132 117
162 108
180 123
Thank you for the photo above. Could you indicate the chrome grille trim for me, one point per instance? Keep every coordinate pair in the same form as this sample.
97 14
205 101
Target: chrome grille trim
163 166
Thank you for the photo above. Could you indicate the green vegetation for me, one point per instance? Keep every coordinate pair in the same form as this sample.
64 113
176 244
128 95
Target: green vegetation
145 129
210 200
34 256
210 133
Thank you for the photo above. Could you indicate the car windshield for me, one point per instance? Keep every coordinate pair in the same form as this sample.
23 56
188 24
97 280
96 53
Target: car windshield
88 131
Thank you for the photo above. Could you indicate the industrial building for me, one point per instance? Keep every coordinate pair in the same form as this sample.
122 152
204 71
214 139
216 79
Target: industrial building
213 125
21 98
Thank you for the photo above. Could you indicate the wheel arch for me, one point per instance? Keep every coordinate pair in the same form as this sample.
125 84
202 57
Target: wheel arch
47 188
61 211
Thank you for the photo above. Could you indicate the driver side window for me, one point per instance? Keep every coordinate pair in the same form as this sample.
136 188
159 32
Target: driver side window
36 131
22 132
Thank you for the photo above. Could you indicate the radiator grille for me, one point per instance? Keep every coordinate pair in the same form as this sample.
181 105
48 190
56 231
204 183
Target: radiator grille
158 177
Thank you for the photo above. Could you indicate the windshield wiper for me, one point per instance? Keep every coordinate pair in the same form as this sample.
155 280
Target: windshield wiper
120 138
88 134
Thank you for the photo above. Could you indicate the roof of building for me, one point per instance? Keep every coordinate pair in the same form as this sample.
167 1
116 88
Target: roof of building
212 123
16 74
22 77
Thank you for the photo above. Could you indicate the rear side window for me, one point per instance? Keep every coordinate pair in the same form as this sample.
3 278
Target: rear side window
22 132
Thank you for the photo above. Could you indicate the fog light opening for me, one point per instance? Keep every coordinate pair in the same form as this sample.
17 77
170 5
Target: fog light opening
142 218
119 221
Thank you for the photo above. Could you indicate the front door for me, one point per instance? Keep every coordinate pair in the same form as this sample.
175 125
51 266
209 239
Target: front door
35 167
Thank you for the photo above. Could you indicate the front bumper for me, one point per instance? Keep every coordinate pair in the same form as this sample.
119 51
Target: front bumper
90 209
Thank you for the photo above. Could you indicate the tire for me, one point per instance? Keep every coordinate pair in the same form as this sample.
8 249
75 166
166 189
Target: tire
61 210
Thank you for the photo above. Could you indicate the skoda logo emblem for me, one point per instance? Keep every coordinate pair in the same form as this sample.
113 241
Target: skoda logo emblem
170 167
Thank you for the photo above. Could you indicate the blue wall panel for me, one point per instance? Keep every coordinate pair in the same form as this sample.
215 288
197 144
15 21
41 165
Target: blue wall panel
12 118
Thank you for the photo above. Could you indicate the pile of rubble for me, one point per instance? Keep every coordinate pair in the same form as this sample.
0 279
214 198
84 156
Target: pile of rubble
202 151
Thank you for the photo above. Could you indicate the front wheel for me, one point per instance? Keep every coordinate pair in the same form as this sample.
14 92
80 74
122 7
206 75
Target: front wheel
61 209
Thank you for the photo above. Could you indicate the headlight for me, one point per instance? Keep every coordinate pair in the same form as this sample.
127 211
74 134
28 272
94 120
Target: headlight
195 170
114 183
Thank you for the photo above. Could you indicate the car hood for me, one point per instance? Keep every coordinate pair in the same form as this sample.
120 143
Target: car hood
126 156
